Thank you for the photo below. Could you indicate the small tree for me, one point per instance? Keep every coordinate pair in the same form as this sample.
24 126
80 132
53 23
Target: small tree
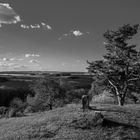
120 68
45 91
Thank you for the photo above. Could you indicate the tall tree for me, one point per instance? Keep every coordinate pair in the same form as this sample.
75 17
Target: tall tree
120 67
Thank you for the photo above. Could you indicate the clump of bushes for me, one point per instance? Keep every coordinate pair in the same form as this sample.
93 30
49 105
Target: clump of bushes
3 111
17 107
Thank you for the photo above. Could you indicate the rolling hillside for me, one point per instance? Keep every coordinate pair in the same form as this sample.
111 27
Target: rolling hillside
70 123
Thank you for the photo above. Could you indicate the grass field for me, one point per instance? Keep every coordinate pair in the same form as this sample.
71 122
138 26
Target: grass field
120 123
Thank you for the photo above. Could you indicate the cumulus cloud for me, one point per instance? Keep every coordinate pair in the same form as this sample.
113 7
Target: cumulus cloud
77 33
42 25
8 15
45 26
24 26
36 26
31 55
34 61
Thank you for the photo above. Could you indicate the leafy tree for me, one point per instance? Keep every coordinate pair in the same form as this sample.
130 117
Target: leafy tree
46 90
120 68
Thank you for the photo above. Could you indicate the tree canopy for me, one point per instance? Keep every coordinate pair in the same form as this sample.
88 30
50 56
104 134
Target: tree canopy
120 66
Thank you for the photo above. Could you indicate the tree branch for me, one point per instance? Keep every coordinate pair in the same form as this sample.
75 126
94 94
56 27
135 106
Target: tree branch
116 89
133 79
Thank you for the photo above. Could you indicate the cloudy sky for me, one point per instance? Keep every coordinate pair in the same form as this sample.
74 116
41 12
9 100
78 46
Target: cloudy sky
59 35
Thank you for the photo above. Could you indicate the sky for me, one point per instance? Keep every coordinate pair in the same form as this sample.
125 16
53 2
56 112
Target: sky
59 35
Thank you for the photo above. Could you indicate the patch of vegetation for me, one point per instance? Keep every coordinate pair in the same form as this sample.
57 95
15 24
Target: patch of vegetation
68 122
7 95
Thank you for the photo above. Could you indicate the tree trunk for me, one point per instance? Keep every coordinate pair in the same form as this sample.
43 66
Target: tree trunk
120 100
120 95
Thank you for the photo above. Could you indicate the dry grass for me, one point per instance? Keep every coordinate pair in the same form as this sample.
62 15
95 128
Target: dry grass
59 124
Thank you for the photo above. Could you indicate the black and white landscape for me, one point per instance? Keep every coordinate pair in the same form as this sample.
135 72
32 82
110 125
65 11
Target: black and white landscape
69 70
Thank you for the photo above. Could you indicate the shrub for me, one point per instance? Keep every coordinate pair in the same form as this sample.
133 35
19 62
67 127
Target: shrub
17 107
28 109
12 113
3 110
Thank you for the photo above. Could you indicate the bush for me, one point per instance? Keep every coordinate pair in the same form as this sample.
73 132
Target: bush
28 109
17 107
3 110
14 112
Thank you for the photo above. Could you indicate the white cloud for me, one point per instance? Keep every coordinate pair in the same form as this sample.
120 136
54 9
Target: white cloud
65 34
34 61
31 55
24 26
8 15
77 33
49 27
45 26
37 26
5 59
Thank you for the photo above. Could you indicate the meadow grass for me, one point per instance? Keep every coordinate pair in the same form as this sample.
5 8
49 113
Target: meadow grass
59 124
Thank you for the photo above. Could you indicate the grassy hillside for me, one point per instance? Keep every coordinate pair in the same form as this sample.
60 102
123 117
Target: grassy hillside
70 123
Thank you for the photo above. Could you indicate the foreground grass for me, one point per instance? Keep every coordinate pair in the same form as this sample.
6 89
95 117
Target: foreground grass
70 123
